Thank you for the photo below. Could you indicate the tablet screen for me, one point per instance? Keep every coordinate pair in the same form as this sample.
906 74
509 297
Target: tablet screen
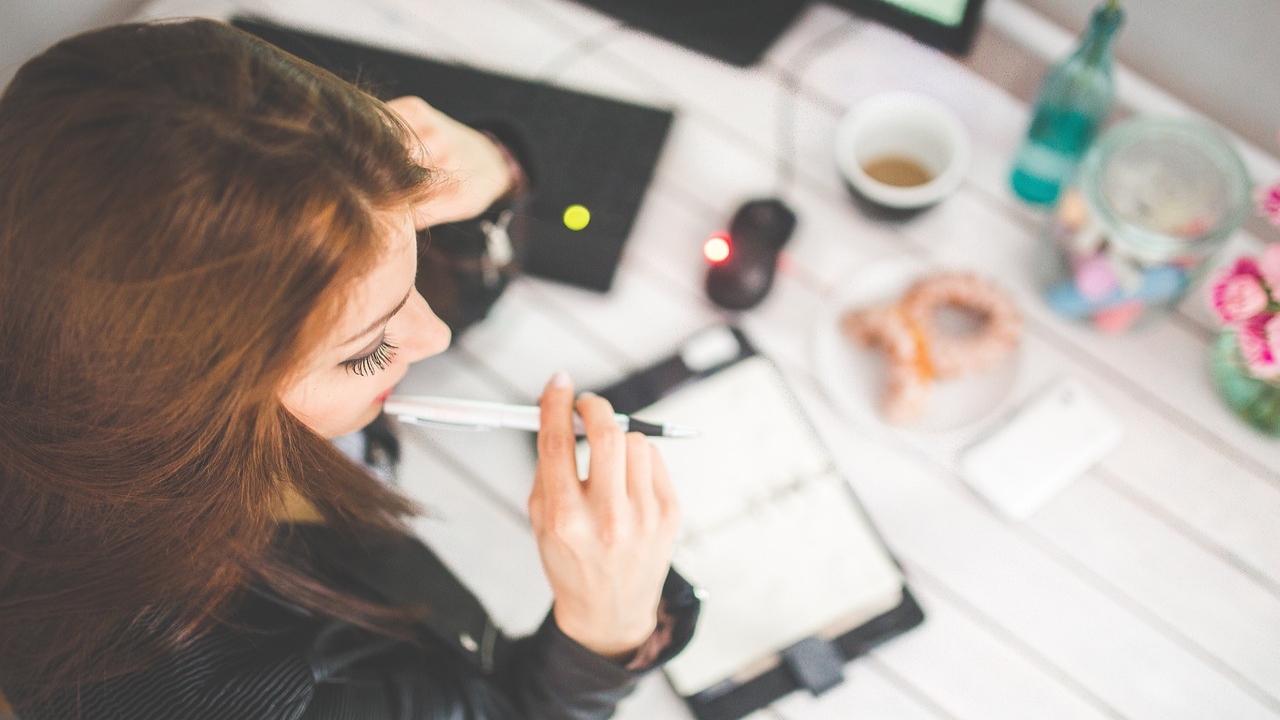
946 12
946 24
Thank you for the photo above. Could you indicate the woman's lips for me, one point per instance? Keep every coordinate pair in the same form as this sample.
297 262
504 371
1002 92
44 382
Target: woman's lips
383 397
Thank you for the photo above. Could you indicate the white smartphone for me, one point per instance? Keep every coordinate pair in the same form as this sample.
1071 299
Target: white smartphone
1045 444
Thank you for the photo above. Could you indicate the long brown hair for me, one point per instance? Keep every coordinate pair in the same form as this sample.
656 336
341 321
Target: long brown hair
181 206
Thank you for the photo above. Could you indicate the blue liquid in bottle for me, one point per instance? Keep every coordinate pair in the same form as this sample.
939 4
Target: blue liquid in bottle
1072 104
1060 138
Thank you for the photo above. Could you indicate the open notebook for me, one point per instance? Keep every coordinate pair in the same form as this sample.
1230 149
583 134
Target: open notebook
772 534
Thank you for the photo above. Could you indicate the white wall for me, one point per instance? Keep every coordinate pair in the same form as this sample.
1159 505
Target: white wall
1220 56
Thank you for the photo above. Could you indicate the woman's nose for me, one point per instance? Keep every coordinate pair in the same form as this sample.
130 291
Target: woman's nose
425 334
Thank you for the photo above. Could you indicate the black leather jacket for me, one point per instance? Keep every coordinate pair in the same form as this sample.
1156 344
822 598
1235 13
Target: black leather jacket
274 661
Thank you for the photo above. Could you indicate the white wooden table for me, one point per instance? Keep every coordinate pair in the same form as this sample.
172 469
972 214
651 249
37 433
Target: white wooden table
1148 589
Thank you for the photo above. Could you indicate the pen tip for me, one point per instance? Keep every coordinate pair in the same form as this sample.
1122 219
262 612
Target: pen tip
677 431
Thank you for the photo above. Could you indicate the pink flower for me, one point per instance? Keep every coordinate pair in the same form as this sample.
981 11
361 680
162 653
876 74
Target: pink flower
1245 266
1260 347
1269 202
1238 297
1259 340
1269 268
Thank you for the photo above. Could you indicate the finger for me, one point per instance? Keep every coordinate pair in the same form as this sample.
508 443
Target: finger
427 125
533 509
557 464
403 103
664 490
412 107
607 470
639 469
415 113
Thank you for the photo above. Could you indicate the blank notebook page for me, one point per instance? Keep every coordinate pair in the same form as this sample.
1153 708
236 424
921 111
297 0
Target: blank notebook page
771 533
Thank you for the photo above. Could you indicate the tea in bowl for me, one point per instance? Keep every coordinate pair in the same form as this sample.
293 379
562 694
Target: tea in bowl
902 151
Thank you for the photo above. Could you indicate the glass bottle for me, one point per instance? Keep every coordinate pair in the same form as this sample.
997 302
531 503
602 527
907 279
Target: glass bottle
1072 104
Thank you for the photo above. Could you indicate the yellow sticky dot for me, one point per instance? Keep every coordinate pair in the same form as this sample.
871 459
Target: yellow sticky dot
576 217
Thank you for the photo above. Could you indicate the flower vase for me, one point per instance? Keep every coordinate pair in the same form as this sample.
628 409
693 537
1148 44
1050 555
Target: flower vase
1255 400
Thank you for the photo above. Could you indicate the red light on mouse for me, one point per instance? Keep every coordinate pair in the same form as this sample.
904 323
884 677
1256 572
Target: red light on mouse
717 249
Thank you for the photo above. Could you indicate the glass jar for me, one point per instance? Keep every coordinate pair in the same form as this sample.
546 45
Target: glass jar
1153 200
1255 400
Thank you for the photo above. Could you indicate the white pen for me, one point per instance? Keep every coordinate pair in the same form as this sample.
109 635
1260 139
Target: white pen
482 415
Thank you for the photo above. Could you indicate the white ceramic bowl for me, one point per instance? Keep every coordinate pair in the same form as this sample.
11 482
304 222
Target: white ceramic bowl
909 125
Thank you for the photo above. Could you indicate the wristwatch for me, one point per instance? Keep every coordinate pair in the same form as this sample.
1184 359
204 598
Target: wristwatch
463 267
495 223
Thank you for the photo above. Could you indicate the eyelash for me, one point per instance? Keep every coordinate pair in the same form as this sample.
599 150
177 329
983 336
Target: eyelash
376 360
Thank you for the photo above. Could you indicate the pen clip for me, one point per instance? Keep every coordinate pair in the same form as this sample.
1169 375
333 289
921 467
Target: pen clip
411 420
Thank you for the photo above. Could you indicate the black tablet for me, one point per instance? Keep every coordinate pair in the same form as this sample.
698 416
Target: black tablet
945 24
735 31
740 31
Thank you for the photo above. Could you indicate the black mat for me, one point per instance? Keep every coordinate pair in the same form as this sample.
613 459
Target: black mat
583 149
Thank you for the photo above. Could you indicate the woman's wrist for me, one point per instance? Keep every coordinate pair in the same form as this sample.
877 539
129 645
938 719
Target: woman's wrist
517 181
619 645
646 656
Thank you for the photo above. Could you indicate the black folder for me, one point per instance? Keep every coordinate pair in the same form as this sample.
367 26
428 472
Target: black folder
581 149
800 657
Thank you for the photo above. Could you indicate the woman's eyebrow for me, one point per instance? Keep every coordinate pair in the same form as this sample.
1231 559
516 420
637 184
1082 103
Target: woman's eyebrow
380 320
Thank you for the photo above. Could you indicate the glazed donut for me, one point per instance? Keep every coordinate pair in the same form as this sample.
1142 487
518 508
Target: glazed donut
906 393
917 352
881 327
908 372
953 355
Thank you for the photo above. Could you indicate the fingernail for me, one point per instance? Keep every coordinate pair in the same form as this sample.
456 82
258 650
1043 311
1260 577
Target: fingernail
586 394
560 379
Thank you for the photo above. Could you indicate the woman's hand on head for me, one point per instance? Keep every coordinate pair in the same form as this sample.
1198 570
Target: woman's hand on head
605 542
475 171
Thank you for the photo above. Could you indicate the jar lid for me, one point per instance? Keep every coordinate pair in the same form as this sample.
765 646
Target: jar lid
1166 186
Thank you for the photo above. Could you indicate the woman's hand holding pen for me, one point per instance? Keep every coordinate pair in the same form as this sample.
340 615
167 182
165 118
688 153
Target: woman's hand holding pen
605 542
476 172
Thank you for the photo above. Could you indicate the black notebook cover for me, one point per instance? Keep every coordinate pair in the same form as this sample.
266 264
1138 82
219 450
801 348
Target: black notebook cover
582 149
811 664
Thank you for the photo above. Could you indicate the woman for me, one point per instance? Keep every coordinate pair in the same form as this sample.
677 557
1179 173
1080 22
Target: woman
207 271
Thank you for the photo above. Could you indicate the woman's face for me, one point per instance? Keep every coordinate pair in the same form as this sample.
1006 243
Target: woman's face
383 327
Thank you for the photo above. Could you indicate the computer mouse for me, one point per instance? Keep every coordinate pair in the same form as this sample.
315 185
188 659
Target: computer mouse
744 261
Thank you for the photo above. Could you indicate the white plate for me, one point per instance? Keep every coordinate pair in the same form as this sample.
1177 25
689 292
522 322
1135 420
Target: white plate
854 377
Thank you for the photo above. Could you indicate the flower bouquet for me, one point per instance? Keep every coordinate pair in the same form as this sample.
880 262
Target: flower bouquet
1246 355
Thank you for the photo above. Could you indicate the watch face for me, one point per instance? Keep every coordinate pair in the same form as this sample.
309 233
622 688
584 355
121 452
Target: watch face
498 248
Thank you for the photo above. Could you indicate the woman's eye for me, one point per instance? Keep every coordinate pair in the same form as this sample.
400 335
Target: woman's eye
376 360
